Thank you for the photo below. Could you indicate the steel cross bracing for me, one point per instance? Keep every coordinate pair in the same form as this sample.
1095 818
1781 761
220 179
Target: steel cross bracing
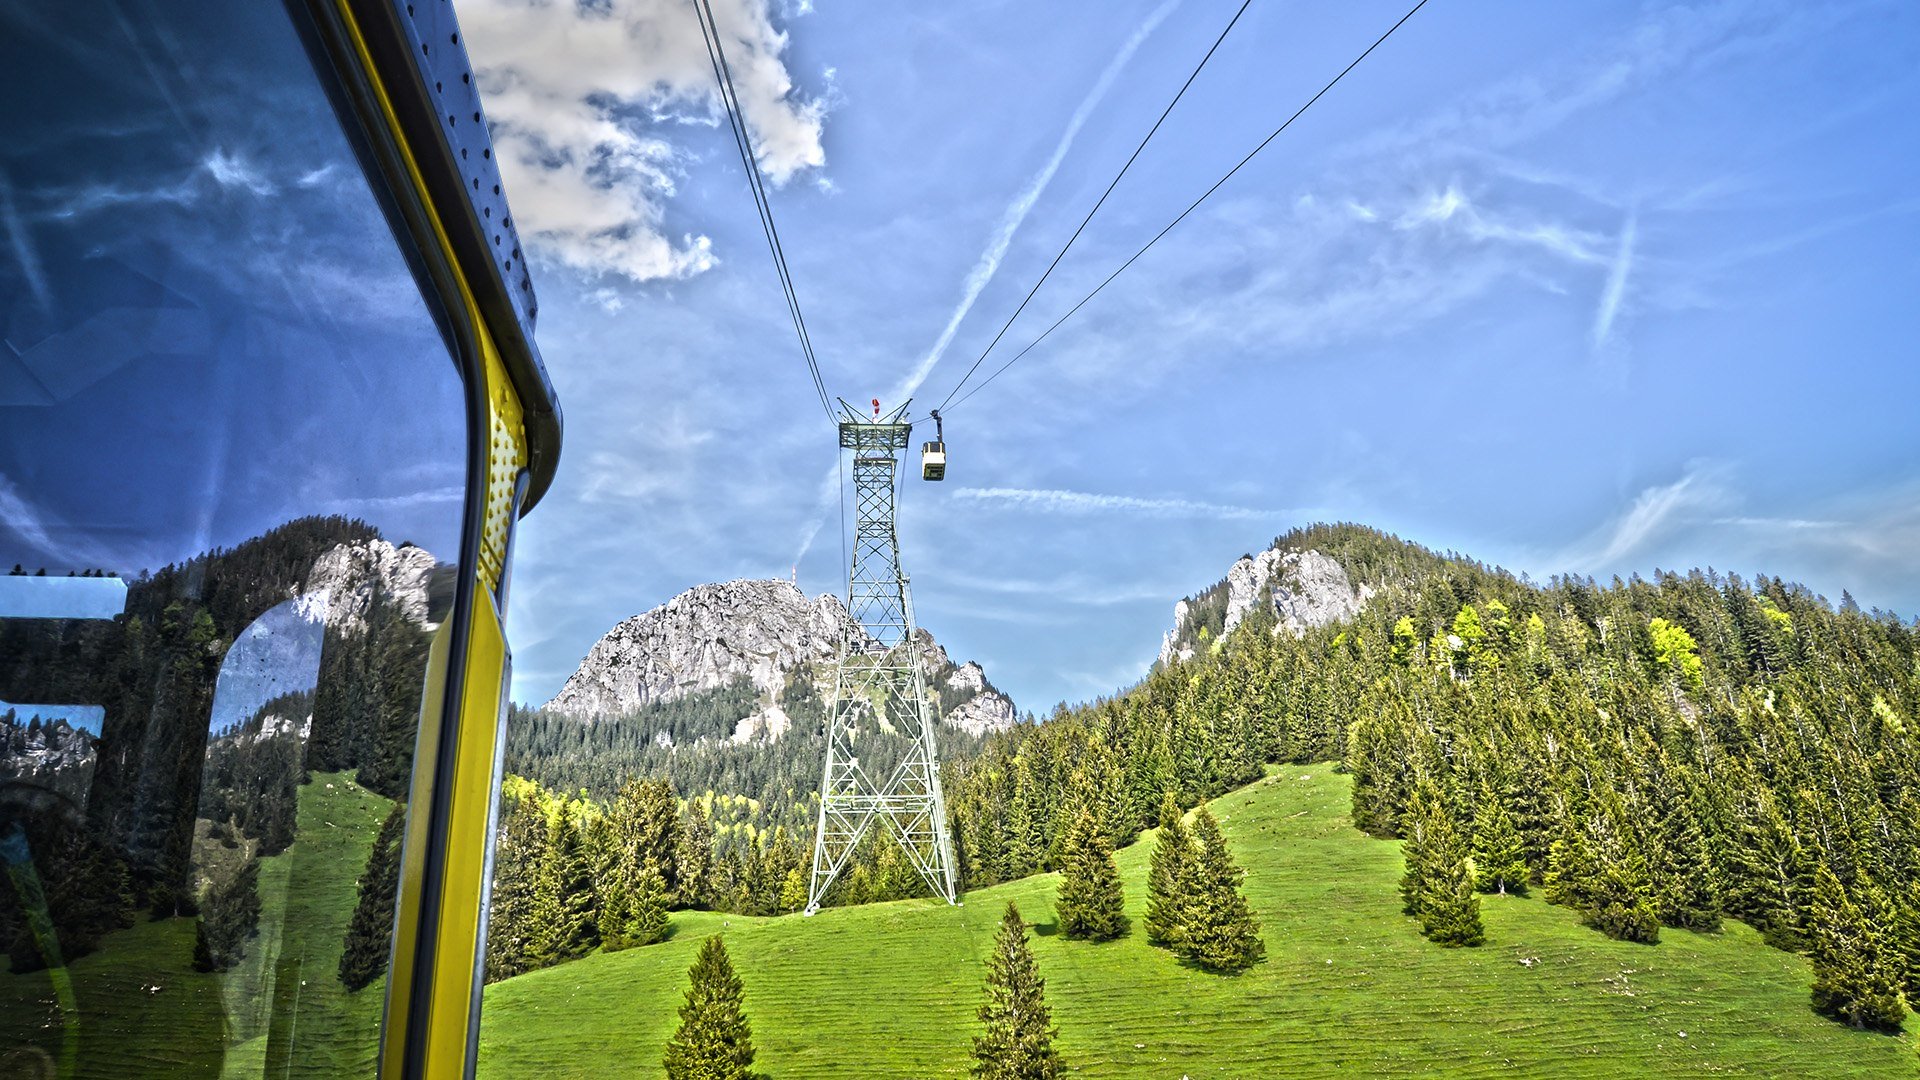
880 692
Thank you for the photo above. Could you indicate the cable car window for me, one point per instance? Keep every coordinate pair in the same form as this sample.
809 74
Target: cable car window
233 453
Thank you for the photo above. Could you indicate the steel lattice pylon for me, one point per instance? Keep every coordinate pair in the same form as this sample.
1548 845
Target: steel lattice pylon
880 679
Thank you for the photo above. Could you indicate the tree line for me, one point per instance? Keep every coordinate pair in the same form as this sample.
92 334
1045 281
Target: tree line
1657 754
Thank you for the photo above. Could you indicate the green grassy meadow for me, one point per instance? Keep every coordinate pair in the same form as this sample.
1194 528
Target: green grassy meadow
1349 987
144 1012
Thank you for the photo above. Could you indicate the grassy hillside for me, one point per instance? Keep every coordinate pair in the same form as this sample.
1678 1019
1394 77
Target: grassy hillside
1349 988
144 1011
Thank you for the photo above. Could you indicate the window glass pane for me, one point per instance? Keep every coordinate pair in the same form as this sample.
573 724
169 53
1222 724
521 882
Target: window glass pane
232 468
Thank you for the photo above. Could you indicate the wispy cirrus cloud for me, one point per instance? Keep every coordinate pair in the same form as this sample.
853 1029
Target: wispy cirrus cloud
1059 501
1654 514
1616 286
1022 204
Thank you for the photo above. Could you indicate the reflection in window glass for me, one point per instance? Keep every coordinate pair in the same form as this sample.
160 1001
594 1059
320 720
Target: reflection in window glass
232 467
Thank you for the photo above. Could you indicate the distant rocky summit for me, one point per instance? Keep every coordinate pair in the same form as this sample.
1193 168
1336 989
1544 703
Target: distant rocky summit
763 633
1303 589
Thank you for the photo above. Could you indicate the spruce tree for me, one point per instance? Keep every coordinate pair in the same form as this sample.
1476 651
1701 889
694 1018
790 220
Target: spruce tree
1172 850
1018 1043
1220 933
1686 889
714 1041
694 858
229 918
649 904
565 926
1499 851
1853 977
370 934
517 865
1090 904
1449 908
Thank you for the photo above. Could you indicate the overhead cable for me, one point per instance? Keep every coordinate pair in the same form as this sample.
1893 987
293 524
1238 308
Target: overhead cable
756 183
1097 204
1191 207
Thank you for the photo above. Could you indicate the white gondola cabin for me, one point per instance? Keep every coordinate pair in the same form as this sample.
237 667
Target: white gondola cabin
933 455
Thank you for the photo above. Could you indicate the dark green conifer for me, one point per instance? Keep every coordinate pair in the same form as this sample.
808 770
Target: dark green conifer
1686 890
1018 1043
1499 851
649 922
694 857
229 918
714 1041
370 934
1090 904
565 922
517 873
1172 850
1853 980
1448 906
1219 932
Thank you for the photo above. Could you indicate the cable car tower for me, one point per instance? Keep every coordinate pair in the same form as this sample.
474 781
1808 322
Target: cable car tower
880 686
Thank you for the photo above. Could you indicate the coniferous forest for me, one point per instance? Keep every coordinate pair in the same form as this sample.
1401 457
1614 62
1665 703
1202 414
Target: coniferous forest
1659 755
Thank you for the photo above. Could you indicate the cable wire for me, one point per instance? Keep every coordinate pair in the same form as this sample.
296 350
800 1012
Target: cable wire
756 184
1097 204
1190 208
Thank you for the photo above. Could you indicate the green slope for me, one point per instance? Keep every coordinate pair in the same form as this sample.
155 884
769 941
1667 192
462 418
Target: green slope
144 1011
1349 987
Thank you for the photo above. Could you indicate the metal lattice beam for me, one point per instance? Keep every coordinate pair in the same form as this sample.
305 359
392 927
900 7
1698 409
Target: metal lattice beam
880 690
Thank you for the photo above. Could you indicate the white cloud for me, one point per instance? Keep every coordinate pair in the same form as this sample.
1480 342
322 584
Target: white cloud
580 98
1656 512
235 173
21 243
1616 285
1017 211
1057 501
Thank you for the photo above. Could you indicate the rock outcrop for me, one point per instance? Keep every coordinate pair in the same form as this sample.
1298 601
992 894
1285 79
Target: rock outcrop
703 639
348 574
759 632
1304 589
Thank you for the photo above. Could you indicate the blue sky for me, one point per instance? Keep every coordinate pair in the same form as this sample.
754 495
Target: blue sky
184 235
1589 287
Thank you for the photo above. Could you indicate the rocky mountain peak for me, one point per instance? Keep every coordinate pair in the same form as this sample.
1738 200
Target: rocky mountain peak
1303 589
347 575
759 632
705 638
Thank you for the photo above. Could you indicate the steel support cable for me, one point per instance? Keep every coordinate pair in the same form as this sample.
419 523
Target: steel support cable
1190 208
1008 325
756 185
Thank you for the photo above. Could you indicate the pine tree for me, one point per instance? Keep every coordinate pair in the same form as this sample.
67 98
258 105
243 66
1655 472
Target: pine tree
1686 888
649 922
229 918
1018 1044
565 926
694 858
1219 933
1449 909
517 862
1499 851
1853 980
1090 904
714 1041
370 934
1172 850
